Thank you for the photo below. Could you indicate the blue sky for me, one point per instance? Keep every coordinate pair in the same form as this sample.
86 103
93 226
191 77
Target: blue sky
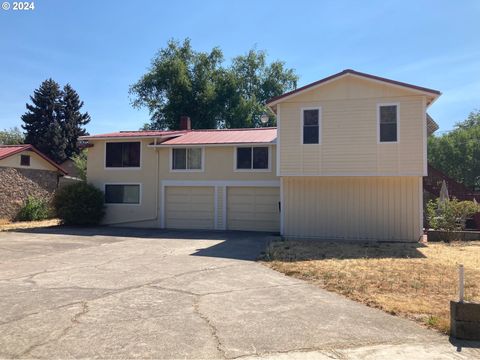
102 47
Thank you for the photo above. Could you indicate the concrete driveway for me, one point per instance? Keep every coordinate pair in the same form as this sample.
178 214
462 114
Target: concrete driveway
123 293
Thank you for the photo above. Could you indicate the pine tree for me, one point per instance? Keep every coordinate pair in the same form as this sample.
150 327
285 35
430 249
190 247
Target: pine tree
72 119
43 122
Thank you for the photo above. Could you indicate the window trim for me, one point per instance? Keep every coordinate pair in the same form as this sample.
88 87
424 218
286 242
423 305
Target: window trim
302 121
379 105
269 149
172 170
29 160
121 168
140 193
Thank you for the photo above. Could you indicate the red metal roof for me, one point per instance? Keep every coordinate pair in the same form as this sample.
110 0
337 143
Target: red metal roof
126 134
353 72
225 136
9 150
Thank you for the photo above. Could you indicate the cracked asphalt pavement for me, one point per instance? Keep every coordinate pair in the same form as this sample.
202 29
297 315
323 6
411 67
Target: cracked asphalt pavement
151 294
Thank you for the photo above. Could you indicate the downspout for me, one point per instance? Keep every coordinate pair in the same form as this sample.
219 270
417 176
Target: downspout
157 185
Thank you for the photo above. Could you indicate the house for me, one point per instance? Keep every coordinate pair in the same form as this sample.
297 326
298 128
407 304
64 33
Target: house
24 172
345 162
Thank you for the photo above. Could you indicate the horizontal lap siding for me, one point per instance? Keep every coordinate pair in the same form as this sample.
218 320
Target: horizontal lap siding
370 208
349 143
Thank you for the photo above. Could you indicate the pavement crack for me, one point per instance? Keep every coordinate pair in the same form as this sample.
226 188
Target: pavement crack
211 326
74 321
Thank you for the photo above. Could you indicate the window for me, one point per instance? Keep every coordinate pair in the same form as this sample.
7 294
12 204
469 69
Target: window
122 155
122 194
25 160
252 158
311 126
187 159
388 118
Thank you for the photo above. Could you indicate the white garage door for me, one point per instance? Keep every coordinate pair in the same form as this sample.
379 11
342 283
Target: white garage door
253 208
189 207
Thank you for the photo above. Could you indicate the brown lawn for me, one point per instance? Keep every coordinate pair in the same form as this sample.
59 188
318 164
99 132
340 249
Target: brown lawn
7 225
416 281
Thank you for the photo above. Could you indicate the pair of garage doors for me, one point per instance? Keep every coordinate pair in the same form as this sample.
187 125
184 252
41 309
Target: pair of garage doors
245 208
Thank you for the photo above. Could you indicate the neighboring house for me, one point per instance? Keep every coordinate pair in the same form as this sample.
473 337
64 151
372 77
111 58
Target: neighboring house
346 162
24 172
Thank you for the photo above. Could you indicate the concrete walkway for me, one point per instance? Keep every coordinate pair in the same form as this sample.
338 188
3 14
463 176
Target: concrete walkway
123 293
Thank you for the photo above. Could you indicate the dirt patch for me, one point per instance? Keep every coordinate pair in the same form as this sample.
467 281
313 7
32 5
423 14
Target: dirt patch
7 225
412 280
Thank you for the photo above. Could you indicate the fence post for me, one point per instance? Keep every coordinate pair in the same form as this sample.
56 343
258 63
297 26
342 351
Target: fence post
461 281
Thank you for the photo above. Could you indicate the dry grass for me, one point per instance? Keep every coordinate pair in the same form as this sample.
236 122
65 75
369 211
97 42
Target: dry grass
412 280
7 225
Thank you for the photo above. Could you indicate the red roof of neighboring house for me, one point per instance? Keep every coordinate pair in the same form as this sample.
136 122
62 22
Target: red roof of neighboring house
225 136
357 73
140 133
9 150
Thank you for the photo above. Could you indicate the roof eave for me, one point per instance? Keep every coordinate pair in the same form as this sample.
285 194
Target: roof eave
434 94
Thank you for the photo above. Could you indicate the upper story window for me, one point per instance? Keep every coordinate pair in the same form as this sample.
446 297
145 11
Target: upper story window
187 159
388 123
122 155
311 126
25 160
252 158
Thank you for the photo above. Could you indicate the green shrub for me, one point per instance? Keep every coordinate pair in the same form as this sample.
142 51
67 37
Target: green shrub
450 215
79 204
34 209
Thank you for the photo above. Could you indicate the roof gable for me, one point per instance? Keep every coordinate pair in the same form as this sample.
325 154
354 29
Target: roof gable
10 150
433 94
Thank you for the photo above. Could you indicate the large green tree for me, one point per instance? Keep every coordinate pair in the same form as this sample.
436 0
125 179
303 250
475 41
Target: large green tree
53 121
457 153
43 121
12 136
73 120
182 81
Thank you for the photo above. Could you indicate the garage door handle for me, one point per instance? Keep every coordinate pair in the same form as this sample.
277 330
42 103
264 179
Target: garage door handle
279 206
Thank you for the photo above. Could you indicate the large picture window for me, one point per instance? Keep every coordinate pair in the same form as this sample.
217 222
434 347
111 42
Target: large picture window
252 158
388 123
122 154
122 194
187 159
311 126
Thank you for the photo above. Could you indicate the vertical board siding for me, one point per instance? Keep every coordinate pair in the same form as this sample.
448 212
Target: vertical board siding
368 208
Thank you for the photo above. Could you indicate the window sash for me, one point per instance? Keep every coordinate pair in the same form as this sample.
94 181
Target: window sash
122 154
187 159
253 158
25 160
122 194
311 126
388 123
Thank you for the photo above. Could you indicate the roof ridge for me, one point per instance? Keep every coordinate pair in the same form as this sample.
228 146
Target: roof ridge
17 145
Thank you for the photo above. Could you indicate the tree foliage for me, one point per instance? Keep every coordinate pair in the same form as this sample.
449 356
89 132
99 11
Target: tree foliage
80 163
53 122
450 215
182 81
457 153
12 136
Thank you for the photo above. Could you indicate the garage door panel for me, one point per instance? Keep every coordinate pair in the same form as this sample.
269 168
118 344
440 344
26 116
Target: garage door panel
189 207
253 208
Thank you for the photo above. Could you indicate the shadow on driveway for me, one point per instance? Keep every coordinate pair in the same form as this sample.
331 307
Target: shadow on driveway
240 245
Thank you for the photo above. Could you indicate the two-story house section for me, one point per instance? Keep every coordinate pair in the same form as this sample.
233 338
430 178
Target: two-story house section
351 154
189 179
346 162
